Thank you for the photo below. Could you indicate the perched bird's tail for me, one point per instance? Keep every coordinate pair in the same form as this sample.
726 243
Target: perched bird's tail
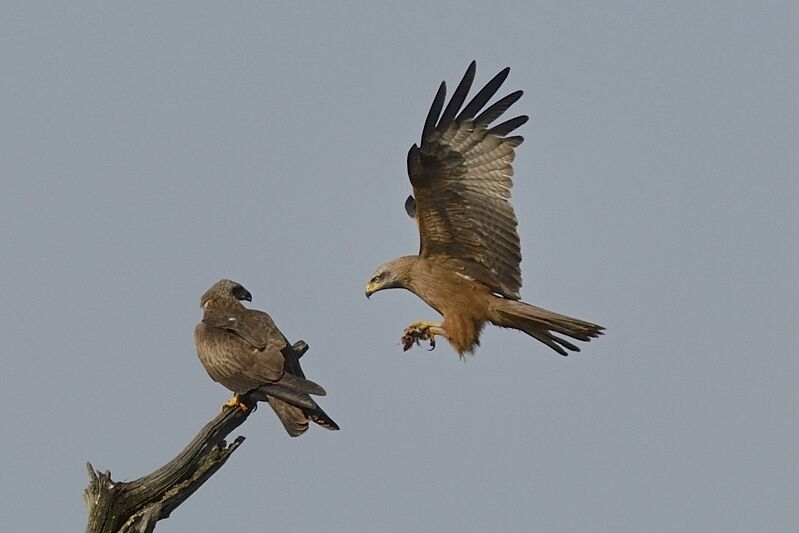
290 398
540 324
321 418
295 419
292 417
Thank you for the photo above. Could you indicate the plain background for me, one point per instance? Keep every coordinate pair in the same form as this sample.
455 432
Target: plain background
149 149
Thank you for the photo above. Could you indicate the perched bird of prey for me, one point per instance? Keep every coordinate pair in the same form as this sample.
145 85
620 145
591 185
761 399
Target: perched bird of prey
469 254
243 350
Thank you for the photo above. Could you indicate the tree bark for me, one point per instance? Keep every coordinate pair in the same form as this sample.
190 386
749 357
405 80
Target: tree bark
136 506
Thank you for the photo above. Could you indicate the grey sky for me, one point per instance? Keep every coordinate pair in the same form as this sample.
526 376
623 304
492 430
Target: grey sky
146 150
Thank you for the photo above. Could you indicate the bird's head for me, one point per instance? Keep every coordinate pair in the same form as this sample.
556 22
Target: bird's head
224 293
391 275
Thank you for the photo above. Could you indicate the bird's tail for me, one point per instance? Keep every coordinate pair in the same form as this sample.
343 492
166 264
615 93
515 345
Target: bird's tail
541 324
295 419
292 417
322 418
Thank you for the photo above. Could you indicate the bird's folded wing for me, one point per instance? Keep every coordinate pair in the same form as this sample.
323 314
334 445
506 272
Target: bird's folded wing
255 327
301 384
294 397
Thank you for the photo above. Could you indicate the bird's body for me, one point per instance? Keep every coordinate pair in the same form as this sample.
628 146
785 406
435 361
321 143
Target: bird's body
462 303
243 350
234 362
468 266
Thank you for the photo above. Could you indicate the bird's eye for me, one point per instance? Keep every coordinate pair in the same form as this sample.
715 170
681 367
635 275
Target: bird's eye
375 279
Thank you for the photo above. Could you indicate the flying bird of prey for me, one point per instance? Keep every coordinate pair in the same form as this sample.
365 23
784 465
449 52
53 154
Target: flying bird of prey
244 350
467 268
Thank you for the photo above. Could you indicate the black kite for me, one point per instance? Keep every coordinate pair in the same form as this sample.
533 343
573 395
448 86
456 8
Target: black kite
469 255
244 350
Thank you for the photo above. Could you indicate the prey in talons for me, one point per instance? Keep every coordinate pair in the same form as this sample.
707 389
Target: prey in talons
421 331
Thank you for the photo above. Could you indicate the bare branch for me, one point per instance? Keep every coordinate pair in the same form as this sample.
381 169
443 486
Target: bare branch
136 506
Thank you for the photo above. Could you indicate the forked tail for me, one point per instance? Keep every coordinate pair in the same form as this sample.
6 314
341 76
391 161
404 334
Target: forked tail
541 324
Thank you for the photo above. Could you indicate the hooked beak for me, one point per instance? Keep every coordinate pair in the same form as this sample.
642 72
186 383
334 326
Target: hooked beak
240 293
370 289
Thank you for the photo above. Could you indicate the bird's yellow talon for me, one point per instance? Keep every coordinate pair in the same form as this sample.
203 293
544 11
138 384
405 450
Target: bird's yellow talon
421 331
235 403
432 339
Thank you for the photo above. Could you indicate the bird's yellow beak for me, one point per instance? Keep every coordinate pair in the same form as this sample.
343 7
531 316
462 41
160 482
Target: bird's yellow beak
371 288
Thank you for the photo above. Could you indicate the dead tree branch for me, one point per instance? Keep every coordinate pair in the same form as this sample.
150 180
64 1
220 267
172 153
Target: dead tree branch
135 506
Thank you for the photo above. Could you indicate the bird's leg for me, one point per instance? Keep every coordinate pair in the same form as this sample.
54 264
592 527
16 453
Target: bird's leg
419 331
235 402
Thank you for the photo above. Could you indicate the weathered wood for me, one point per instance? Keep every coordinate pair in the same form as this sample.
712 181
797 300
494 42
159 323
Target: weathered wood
136 506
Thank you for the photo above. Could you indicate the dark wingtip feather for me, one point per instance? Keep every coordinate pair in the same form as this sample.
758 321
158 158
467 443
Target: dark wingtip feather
514 141
435 111
458 97
485 94
492 113
508 126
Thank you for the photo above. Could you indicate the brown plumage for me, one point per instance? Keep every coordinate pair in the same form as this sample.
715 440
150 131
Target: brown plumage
468 267
244 350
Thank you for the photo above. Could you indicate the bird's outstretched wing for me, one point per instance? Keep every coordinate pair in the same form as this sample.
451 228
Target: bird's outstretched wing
461 177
